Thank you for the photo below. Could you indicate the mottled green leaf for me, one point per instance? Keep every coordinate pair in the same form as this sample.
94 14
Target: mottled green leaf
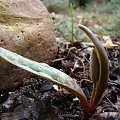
46 72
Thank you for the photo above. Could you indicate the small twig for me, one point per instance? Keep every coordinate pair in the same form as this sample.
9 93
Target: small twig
87 80
59 59
83 66
72 48
112 103
70 116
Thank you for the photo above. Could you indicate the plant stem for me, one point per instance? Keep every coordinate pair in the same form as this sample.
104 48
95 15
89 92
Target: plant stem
72 21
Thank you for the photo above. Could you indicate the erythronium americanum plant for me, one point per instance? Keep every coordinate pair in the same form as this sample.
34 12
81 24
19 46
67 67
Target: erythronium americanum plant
99 72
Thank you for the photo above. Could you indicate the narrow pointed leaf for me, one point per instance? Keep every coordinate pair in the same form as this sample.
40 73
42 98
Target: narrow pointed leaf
94 67
46 72
103 68
94 71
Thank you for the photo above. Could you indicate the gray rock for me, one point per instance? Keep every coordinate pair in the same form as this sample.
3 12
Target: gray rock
25 28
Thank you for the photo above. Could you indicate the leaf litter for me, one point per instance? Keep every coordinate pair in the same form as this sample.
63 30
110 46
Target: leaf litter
41 100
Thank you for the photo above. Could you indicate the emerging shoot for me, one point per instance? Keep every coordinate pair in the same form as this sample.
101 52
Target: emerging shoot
72 21
99 68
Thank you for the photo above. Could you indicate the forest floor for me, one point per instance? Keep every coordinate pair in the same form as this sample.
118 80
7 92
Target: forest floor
41 100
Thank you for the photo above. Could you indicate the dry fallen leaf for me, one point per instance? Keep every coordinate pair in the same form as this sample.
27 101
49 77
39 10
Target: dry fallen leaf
108 42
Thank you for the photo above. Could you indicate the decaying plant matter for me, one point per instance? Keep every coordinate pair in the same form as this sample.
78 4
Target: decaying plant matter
99 68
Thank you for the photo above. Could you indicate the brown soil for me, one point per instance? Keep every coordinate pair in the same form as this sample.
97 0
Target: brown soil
40 100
